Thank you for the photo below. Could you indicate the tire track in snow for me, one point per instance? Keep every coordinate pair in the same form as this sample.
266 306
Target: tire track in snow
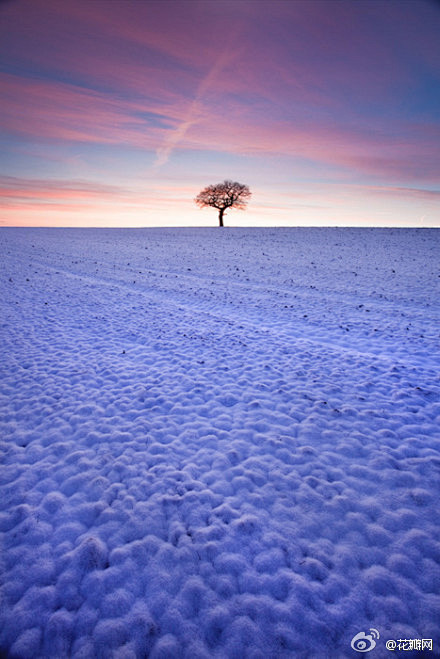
388 348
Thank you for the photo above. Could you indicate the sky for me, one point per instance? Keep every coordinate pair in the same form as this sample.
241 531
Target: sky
119 112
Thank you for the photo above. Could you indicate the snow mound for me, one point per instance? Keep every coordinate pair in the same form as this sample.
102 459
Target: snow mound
218 444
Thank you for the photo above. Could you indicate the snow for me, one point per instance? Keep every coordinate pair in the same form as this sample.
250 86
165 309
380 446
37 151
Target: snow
219 442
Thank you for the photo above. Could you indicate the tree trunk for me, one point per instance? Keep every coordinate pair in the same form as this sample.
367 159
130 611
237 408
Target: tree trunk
220 217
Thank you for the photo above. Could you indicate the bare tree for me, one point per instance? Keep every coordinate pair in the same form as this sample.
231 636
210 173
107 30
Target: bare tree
228 194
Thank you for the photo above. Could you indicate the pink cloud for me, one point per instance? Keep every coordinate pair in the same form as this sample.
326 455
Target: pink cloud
373 153
19 188
30 197
402 192
58 111
53 110
150 50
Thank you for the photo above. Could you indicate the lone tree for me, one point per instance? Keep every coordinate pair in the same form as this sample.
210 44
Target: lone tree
228 194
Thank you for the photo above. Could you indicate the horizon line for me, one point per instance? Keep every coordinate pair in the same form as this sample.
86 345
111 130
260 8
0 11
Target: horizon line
239 226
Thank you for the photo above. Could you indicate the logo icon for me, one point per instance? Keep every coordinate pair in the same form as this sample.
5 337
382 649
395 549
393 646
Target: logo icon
363 642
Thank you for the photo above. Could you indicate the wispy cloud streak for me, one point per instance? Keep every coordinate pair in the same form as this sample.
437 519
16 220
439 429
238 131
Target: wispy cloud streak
195 111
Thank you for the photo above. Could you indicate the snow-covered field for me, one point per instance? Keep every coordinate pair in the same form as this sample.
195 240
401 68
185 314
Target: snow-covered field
219 443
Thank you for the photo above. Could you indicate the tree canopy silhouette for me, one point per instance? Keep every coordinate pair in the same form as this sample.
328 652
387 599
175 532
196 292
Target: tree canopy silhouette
221 196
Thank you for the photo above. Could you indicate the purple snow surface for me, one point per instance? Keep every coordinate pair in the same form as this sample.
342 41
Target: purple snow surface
219 443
